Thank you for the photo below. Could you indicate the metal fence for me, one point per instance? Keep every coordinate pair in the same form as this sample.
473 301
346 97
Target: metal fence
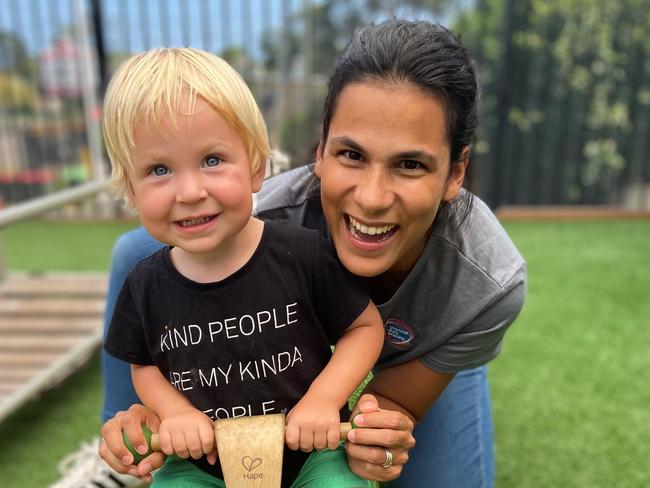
57 55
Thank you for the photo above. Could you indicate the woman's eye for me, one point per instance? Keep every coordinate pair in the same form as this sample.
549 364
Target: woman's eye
355 156
212 161
159 170
409 164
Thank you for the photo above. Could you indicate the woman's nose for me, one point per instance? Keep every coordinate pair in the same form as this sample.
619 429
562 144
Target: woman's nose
374 191
190 188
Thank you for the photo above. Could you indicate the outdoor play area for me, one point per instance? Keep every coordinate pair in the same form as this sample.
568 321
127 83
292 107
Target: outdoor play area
561 155
570 396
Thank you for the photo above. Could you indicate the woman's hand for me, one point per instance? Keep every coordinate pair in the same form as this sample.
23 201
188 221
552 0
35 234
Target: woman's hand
378 430
114 452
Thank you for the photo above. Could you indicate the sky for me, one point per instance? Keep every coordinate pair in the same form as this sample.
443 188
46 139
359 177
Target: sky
38 22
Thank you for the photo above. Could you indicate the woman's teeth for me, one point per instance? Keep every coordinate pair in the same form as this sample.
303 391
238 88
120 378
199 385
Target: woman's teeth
190 222
369 230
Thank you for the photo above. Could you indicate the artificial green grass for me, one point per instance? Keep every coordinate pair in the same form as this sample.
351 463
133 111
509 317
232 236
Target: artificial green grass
44 431
37 437
47 245
570 389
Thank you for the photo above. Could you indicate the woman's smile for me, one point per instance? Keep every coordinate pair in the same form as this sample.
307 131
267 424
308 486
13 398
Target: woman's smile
370 236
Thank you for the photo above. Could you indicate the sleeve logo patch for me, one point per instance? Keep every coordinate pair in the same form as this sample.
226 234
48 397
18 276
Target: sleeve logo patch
398 333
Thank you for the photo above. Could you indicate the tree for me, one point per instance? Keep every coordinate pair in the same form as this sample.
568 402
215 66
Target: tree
304 52
16 95
14 57
569 77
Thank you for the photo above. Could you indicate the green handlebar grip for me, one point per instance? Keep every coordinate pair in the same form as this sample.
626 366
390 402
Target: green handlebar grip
137 457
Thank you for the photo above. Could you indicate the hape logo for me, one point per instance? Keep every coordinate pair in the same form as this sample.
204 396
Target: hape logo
249 465
398 333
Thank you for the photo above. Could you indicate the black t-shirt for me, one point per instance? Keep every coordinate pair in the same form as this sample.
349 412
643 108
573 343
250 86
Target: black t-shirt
250 344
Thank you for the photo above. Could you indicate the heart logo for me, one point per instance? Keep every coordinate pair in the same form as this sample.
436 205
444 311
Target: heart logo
249 463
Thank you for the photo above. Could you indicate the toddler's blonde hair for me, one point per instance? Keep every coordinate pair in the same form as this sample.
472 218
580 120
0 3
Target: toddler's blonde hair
167 81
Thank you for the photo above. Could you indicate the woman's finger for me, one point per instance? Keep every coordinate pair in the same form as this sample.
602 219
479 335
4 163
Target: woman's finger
375 455
152 462
368 403
367 462
402 439
112 447
114 462
384 419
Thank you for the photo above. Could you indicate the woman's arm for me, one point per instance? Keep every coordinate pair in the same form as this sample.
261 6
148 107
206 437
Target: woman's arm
410 387
392 403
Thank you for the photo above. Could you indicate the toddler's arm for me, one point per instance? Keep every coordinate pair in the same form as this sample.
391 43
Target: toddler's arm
184 430
314 422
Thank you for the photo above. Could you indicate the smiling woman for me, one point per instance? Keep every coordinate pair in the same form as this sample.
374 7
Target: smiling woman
385 164
386 188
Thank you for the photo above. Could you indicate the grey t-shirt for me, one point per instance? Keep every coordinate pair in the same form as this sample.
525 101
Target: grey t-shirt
454 307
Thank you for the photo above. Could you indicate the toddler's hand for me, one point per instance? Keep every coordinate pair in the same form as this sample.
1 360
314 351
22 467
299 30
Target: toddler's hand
312 424
188 432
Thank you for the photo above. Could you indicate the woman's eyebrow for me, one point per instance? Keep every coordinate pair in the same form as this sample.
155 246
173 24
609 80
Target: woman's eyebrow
415 154
419 155
346 141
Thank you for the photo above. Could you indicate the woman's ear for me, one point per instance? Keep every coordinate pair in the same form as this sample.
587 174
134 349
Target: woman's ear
257 176
457 175
319 159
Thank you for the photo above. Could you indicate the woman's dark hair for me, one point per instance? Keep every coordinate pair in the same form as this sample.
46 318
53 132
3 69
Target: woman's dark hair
424 54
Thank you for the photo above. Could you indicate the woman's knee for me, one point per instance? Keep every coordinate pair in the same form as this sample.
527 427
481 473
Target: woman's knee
131 247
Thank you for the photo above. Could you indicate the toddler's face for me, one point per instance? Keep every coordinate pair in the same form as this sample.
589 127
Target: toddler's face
192 182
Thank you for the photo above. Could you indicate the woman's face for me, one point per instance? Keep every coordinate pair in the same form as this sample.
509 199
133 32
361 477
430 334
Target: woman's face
384 169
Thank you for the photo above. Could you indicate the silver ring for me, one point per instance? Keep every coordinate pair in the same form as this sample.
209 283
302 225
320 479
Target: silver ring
389 459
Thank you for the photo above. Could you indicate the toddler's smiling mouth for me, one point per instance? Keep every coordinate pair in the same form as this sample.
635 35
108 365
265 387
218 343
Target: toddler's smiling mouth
191 222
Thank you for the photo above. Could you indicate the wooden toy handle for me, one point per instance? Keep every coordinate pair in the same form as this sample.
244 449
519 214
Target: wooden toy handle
344 428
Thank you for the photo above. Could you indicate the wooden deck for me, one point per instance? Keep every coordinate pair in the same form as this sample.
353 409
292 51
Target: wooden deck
50 324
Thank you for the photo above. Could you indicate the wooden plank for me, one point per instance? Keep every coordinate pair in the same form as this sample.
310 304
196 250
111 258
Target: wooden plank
11 359
49 325
43 307
35 343
18 373
7 390
13 379
61 286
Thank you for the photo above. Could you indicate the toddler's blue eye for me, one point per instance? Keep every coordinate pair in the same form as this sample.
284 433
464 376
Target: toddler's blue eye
212 161
159 170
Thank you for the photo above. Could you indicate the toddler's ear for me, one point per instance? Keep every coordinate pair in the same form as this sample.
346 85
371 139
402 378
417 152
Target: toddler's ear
257 177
